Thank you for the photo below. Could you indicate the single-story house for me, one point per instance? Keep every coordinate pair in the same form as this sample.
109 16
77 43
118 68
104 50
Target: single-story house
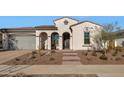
66 33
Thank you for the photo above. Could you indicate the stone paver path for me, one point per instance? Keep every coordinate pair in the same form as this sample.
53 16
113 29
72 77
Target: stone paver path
8 55
70 58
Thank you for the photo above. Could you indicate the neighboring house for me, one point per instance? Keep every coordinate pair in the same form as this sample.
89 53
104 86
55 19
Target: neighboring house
66 33
119 41
1 46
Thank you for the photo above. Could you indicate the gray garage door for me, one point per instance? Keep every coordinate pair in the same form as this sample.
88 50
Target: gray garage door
26 42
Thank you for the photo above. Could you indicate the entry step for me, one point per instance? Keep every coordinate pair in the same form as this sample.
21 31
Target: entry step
70 54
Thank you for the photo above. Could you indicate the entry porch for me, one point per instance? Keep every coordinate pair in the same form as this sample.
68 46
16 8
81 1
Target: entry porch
54 40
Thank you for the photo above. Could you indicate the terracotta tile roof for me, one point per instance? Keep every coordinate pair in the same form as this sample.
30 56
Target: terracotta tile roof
50 27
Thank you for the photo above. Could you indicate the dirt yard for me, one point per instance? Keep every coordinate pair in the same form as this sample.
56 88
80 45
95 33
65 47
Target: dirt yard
36 57
87 58
55 58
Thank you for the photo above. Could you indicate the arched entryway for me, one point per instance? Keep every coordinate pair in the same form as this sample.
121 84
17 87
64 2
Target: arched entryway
54 40
66 40
43 40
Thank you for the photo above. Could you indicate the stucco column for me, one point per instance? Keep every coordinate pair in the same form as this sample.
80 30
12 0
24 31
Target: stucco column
37 42
60 42
49 42
71 42
115 43
5 41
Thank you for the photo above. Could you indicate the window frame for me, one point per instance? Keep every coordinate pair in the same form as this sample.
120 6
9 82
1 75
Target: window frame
86 38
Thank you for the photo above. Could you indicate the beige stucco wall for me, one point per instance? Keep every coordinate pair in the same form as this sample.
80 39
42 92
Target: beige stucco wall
62 28
48 41
78 35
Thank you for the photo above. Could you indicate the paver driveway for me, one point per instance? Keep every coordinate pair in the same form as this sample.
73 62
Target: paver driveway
8 55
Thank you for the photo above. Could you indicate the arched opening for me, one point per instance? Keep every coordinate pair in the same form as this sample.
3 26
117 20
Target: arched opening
54 40
43 40
66 40
1 39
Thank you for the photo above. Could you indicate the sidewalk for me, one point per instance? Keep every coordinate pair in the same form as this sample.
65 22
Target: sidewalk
100 70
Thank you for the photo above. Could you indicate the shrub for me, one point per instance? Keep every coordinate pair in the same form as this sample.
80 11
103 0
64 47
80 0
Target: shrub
53 51
102 52
114 54
42 54
103 57
94 53
86 53
51 59
34 52
118 49
122 55
17 59
88 59
33 56
111 58
117 58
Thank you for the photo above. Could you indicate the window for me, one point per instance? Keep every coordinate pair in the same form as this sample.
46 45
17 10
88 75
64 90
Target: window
86 37
66 22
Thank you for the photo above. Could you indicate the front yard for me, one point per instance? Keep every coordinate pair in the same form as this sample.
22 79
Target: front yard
37 58
94 58
55 58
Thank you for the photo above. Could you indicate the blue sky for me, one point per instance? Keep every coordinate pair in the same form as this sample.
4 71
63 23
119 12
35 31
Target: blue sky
28 21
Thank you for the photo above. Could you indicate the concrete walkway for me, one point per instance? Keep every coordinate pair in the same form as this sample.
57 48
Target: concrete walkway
8 55
99 70
70 58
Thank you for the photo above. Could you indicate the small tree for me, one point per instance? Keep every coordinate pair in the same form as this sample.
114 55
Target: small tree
98 40
107 34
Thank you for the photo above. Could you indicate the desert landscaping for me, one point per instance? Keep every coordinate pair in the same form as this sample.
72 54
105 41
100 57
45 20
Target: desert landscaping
54 57
37 58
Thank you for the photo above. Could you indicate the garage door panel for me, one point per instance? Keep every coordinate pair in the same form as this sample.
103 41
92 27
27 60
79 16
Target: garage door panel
25 42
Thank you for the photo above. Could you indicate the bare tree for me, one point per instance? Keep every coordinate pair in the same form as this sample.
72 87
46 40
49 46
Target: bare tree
107 34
